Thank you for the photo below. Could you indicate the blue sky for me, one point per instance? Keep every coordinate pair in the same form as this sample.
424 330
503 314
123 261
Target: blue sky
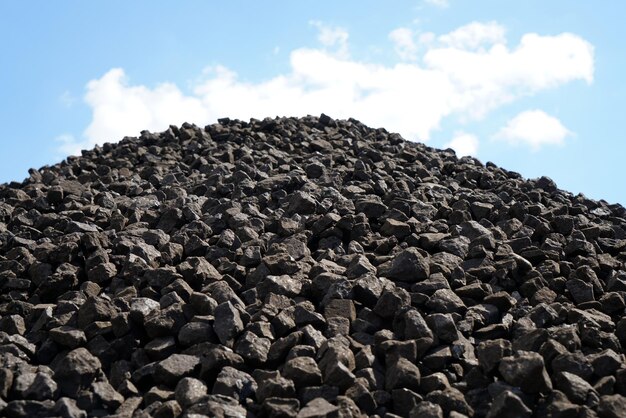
535 87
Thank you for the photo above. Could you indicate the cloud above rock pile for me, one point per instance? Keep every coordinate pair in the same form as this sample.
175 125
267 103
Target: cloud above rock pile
466 74
534 128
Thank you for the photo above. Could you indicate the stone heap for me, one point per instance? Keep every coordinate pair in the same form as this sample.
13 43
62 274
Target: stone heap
305 268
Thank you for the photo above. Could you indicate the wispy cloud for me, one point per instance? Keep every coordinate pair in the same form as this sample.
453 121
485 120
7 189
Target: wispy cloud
533 128
466 73
332 37
404 43
67 99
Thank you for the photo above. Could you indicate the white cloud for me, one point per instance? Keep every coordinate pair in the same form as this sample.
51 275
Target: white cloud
474 35
534 128
451 77
438 3
404 44
332 37
463 144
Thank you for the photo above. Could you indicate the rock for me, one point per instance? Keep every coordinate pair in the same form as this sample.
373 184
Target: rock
443 327
581 291
526 370
402 374
451 401
359 266
445 301
408 266
313 267
175 367
67 407
228 323
273 385
252 348
489 353
189 391
281 407
195 333
395 228
507 404
68 336
234 383
23 408
573 386
76 370
303 371
107 396
606 362
390 301
426 410
612 406
318 408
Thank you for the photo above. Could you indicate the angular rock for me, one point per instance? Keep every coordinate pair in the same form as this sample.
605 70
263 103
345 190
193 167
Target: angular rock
407 266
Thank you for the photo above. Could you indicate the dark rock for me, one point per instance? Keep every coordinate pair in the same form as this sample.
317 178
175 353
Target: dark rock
228 323
612 406
581 291
508 404
311 267
76 370
175 367
68 336
443 327
43 387
407 266
23 409
573 386
402 374
281 407
445 301
392 300
252 348
107 395
66 407
526 370
489 353
426 410
303 371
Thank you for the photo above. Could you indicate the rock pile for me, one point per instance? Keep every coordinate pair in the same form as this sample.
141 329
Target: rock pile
305 268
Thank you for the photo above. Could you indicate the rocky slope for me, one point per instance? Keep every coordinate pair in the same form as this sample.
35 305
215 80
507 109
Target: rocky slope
305 267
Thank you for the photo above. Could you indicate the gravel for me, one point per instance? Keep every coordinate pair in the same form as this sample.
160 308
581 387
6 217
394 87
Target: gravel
305 267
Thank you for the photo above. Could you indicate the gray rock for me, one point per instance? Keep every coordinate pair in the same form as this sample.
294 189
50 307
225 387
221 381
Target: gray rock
445 301
189 391
234 383
228 323
175 367
318 408
303 371
426 410
252 348
408 266
68 336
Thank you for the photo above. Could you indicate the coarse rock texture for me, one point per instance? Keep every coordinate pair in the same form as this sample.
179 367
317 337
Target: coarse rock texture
305 268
